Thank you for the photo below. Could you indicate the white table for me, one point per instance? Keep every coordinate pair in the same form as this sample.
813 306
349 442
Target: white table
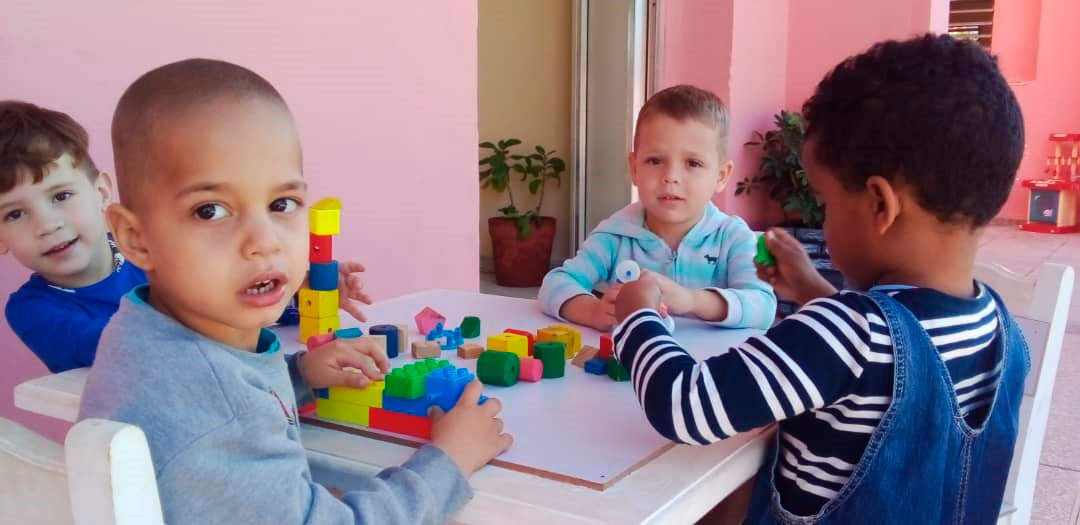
678 485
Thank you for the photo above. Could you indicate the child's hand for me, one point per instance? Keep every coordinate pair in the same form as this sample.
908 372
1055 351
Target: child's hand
642 293
793 276
470 433
678 299
351 288
326 367
603 312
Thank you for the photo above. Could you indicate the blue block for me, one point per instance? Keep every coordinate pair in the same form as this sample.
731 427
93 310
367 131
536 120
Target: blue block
416 407
436 332
482 399
446 384
323 276
391 333
596 366
348 333
323 393
291 315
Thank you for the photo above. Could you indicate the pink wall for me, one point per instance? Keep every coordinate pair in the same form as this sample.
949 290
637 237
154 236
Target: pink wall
696 45
384 93
1048 91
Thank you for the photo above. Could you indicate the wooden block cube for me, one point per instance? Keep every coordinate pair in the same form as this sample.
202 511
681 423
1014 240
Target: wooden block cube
513 343
403 335
470 351
586 353
318 303
559 334
325 217
371 395
343 412
394 345
607 347
616 371
575 339
526 334
470 327
424 349
532 369
320 248
596 366
310 326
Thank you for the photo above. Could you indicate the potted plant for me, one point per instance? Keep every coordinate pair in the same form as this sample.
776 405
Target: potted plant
520 240
781 174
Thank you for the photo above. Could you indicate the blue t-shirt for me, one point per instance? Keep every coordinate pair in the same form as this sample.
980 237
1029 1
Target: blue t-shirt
62 325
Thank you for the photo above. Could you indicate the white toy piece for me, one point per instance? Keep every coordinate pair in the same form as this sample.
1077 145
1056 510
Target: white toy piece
629 271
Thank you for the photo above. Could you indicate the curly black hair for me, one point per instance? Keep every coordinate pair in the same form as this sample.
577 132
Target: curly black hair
934 113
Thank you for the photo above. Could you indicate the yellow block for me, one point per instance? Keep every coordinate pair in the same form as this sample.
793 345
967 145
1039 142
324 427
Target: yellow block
325 217
310 326
569 337
513 343
343 412
370 396
318 303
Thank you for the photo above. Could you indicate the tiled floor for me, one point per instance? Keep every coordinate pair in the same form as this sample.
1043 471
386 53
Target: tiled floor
1058 485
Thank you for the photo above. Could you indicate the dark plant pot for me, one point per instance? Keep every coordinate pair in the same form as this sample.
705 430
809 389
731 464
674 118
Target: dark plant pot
813 241
521 262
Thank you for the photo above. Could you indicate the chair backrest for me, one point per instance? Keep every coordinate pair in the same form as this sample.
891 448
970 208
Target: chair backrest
33 483
1041 308
104 470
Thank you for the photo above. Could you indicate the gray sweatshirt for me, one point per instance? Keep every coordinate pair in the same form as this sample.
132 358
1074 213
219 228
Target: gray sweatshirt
224 434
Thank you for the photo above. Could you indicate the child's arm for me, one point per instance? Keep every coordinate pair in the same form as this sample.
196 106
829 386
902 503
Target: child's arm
566 291
806 362
62 338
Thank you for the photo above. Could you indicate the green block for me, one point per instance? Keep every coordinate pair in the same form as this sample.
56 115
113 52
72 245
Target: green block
405 382
553 355
470 327
763 256
498 368
616 371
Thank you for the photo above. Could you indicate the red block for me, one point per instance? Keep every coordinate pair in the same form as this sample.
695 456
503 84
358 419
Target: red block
528 335
531 369
407 424
318 340
308 410
321 248
607 347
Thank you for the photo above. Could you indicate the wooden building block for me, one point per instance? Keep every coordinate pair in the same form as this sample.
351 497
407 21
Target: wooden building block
498 368
470 351
320 248
324 217
553 355
424 349
524 333
390 332
562 334
596 366
318 340
513 343
310 326
532 369
607 347
616 371
470 327
427 319
318 303
586 353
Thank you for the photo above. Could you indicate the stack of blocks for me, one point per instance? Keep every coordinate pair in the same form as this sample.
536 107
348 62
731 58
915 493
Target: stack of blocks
401 402
319 302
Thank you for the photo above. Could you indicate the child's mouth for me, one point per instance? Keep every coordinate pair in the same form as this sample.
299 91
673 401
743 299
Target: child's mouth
60 247
266 290
670 198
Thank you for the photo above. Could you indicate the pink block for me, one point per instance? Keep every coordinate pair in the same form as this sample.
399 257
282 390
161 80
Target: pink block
531 369
318 340
427 319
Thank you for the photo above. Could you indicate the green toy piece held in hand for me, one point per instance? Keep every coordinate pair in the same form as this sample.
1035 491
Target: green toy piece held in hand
763 256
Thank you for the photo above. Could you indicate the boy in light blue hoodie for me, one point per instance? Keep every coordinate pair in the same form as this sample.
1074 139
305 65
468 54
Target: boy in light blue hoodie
702 258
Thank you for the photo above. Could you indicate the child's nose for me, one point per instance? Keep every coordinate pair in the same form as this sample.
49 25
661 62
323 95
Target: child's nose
261 239
48 223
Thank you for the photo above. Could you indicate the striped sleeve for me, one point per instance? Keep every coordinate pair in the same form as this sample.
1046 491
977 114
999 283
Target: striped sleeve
751 302
806 362
577 276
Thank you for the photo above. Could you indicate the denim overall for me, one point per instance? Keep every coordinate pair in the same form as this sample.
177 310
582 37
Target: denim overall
924 463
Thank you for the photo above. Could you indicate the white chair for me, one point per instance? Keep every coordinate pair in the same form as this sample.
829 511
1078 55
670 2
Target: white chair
1041 308
103 469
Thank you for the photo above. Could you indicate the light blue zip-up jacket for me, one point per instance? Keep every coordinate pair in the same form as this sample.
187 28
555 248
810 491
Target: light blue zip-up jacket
716 254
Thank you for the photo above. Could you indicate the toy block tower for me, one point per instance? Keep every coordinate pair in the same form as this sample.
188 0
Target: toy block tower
319 302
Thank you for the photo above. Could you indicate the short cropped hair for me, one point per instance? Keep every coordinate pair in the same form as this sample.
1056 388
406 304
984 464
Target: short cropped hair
32 138
688 102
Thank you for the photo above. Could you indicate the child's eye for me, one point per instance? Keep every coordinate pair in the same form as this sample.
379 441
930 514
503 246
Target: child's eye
284 205
652 161
695 163
63 196
211 212
13 215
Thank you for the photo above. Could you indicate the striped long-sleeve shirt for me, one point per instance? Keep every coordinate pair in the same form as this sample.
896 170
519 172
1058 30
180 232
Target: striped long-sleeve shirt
831 364
716 254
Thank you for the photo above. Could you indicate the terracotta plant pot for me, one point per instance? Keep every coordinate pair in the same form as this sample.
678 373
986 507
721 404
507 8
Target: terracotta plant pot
521 262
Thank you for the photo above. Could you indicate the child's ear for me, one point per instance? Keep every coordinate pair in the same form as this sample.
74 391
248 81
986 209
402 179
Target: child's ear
726 169
128 233
105 187
884 203
632 165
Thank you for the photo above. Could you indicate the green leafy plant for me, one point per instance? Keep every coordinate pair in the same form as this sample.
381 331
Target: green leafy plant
499 166
781 173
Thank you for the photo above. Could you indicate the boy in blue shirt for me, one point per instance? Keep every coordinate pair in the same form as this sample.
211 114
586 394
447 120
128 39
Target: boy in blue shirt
213 208
52 202
701 257
897 404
